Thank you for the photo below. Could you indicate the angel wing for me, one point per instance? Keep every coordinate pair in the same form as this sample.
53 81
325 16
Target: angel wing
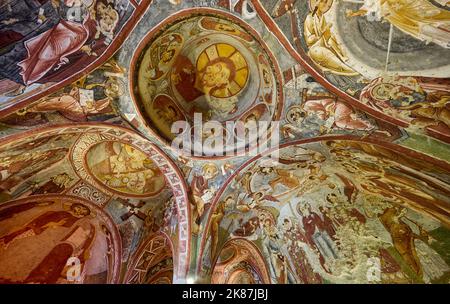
420 19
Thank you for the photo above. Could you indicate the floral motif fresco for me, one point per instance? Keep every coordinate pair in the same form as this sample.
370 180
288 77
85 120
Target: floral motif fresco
353 188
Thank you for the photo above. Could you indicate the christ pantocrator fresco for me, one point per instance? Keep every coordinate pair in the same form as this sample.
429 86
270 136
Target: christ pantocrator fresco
206 65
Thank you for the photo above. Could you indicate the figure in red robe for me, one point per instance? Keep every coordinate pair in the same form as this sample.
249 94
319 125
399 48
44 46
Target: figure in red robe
53 268
201 191
47 220
51 48
317 236
185 78
344 116
53 53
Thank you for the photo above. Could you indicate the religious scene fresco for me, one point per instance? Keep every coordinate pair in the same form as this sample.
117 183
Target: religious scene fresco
124 169
365 50
348 183
77 229
44 41
319 216
209 66
88 99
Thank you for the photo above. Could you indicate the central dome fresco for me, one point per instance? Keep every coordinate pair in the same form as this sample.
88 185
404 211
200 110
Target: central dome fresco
214 65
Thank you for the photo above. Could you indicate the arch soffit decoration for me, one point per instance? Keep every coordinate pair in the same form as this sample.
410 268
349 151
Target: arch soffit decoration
147 246
258 260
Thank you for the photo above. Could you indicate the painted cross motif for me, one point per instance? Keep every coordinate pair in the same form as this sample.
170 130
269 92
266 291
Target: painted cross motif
133 210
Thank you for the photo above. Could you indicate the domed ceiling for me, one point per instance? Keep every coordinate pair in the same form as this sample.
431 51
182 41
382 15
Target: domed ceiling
209 66
351 185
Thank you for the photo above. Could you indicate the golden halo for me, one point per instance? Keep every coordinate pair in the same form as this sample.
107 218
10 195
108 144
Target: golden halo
229 58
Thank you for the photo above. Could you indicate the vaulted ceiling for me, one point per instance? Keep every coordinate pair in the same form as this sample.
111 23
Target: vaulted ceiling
355 95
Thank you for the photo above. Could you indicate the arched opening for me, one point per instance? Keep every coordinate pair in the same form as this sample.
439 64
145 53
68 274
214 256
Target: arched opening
129 180
152 263
50 239
240 262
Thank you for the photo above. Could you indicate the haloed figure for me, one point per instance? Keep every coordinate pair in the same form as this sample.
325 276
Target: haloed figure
202 192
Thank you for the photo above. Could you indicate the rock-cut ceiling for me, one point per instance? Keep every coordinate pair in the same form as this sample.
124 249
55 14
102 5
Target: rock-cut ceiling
90 89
